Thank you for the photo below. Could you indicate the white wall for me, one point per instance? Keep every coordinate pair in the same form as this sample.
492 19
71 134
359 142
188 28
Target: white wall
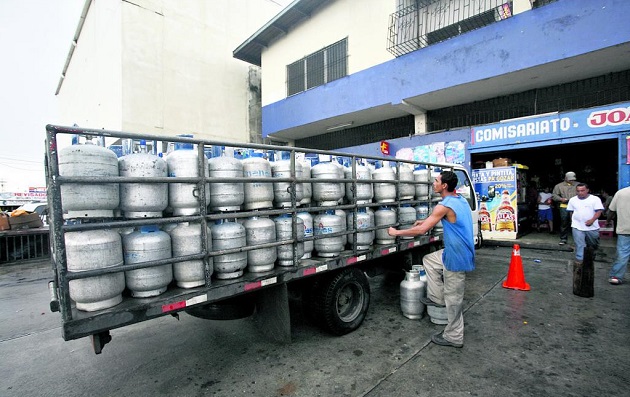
91 92
165 67
365 23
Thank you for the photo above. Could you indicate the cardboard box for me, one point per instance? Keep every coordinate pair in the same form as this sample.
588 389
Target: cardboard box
501 162
26 221
4 222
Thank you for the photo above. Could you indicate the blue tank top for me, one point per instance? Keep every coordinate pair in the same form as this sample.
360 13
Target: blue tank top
459 243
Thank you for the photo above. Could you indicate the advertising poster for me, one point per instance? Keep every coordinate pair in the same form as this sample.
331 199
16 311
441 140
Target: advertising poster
496 190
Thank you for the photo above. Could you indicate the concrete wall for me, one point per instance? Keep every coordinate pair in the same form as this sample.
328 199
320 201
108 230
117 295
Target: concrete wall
165 67
91 94
364 23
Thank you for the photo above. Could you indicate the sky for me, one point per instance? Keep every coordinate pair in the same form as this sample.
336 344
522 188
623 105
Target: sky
35 37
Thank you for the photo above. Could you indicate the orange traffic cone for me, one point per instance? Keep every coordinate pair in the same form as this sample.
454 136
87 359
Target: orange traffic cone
516 278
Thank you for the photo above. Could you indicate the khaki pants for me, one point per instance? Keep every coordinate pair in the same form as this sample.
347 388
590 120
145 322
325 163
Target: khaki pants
446 288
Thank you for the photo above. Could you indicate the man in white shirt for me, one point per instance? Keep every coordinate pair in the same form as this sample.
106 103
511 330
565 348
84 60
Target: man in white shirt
585 210
620 204
544 209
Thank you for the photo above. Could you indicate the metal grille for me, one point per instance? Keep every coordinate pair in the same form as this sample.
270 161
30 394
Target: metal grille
596 91
23 245
431 21
319 68
388 129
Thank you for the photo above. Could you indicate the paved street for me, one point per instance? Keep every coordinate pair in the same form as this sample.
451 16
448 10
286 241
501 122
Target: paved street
543 342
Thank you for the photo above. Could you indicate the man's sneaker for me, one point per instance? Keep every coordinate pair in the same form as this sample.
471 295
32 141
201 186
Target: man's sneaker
562 242
429 302
614 280
438 339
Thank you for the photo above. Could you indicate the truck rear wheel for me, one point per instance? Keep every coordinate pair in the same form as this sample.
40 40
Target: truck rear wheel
340 302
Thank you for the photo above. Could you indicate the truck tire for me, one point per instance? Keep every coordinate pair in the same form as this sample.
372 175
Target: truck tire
340 302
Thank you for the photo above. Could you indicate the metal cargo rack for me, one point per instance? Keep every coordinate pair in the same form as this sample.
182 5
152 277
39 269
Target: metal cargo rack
77 324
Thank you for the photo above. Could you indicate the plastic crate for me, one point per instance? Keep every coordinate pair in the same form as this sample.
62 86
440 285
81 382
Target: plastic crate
606 232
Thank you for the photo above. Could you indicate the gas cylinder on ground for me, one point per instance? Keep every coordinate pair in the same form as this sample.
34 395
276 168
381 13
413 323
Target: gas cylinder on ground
326 193
229 235
89 250
228 196
308 232
364 191
257 194
282 190
384 216
284 231
307 187
363 221
384 192
149 243
327 223
184 162
406 191
143 200
186 240
260 230
84 200
411 290
422 174
406 218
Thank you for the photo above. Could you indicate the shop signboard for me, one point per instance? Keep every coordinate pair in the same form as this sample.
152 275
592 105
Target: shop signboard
496 190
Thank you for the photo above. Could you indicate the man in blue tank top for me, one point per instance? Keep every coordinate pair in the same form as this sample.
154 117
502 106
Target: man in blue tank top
446 267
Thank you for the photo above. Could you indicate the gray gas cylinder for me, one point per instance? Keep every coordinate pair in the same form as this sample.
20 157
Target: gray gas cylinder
364 191
384 216
183 162
411 289
344 225
327 223
406 191
421 174
228 196
260 230
148 243
306 186
326 193
89 250
438 228
84 200
438 315
406 218
384 192
284 231
257 194
435 172
186 240
308 232
422 211
282 190
143 200
229 235
364 221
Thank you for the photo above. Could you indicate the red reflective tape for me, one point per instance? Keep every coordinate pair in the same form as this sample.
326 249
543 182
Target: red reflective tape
173 306
309 271
384 251
431 239
352 260
411 245
252 286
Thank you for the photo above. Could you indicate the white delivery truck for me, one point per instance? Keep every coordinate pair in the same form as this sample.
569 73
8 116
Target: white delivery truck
218 231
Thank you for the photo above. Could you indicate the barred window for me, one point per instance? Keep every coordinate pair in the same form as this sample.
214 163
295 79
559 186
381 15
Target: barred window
318 68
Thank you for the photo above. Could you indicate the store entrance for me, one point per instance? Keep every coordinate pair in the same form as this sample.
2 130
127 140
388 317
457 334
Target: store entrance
594 162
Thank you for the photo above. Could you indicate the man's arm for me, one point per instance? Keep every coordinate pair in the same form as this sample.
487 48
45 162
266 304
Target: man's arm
422 226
